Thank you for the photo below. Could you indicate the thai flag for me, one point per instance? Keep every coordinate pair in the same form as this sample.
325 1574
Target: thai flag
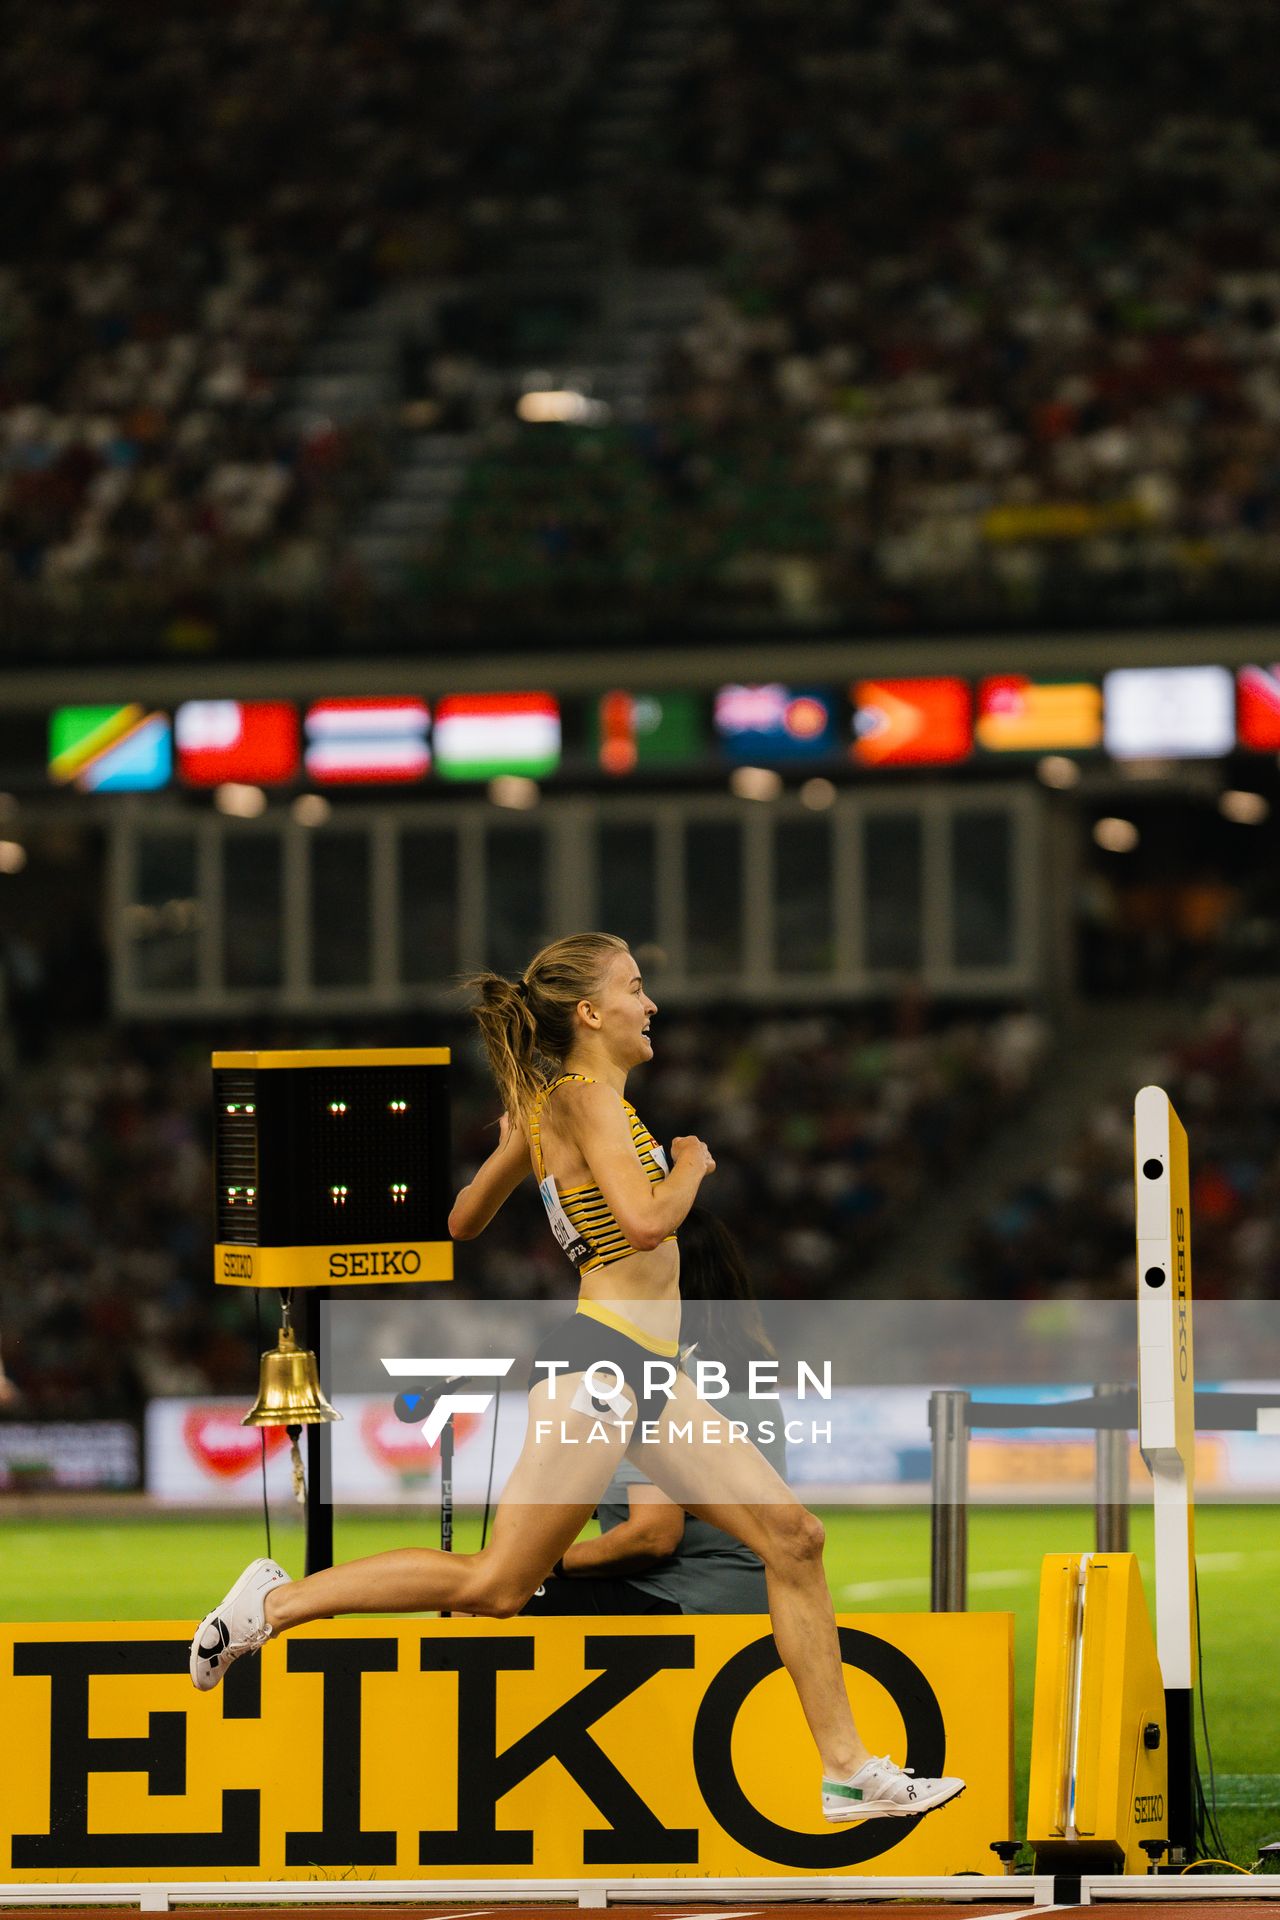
362 742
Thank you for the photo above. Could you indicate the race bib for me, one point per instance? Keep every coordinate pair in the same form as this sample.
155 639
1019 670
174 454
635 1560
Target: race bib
578 1248
610 1408
660 1155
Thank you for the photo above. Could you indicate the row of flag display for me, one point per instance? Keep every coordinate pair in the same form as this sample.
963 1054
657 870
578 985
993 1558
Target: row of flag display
1134 713
268 743
939 721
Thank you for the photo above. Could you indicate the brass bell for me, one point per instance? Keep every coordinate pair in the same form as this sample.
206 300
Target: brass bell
289 1396
289 1392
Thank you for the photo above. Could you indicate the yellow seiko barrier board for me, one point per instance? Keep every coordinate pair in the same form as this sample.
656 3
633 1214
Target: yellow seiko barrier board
467 1748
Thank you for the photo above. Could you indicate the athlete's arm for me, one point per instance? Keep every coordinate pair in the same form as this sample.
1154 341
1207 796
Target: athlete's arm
495 1181
652 1531
596 1120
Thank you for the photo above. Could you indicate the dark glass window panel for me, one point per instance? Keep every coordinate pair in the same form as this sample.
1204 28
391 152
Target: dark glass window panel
803 897
893 879
982 889
341 909
713 897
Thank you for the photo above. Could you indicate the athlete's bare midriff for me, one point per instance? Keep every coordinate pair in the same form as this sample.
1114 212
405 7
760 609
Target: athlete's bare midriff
645 1286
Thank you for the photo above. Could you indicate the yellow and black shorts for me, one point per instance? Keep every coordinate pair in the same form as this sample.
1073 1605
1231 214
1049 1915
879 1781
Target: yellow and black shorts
581 1340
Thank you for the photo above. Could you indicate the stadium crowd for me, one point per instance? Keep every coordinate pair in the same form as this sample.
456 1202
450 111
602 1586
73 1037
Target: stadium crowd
188 201
1070 1229
1027 362
827 1132
965 354
830 1131
992 328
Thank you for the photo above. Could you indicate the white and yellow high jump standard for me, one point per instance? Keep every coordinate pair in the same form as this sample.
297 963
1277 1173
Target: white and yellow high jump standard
1167 1427
1113 1749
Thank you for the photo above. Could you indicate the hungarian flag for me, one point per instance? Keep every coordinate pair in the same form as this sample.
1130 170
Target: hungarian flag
479 736
251 741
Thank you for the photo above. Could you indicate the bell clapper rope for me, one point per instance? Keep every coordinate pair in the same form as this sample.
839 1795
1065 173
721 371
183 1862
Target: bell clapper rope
299 1480
294 1433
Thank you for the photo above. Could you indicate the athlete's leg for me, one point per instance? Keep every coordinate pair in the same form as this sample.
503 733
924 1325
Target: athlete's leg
733 1486
552 1492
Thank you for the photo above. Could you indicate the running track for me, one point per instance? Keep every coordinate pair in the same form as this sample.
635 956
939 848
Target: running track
832 1909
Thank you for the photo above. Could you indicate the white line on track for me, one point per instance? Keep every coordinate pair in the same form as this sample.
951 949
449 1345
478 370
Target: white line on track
1004 1577
1027 1913
993 1579
1236 1562
882 1589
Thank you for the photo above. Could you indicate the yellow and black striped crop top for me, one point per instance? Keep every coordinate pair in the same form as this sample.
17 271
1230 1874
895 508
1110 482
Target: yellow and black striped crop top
586 1228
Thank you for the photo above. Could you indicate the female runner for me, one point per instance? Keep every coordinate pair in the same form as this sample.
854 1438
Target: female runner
650 1556
615 1206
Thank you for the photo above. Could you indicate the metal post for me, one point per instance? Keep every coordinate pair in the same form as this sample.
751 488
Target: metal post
949 1427
446 1494
446 1486
1111 1481
319 1553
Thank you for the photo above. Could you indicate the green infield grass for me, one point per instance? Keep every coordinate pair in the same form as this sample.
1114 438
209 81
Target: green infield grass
162 1568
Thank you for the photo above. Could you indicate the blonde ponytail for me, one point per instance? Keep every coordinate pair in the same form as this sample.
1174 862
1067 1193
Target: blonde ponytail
510 1040
528 1026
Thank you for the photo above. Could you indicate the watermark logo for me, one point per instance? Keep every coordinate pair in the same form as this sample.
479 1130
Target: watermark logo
442 1402
602 1394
